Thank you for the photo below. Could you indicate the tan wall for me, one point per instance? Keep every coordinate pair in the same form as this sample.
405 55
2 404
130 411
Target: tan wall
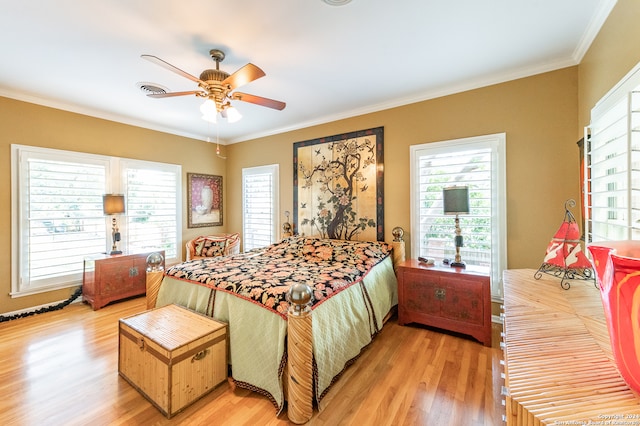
611 56
538 115
28 124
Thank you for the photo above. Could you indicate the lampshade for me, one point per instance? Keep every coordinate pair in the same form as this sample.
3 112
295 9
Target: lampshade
456 200
113 204
209 111
232 115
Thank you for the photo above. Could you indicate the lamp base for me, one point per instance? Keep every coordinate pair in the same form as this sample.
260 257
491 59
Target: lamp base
115 252
458 265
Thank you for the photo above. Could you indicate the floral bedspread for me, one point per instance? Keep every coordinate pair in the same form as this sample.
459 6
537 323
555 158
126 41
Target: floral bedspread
264 276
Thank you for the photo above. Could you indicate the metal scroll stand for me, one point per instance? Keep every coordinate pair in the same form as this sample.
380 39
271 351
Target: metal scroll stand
564 258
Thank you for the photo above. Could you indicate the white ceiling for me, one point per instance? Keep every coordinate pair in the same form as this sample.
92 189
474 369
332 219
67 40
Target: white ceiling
326 62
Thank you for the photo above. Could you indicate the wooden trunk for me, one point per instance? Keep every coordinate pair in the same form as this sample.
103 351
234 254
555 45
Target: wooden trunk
172 356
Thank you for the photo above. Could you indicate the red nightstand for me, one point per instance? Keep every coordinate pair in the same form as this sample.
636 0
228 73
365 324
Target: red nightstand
454 299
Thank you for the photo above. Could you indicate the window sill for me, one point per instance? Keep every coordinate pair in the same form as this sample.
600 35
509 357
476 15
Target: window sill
44 289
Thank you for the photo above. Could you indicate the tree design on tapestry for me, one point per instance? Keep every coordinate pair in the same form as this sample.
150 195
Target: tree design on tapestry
337 181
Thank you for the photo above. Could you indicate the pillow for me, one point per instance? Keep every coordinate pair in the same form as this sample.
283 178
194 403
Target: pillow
218 245
214 247
232 245
289 246
199 247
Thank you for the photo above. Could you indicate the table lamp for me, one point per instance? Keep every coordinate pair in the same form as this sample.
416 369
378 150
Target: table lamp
113 204
456 201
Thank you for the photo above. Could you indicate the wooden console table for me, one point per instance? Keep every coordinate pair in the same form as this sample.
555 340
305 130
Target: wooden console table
558 363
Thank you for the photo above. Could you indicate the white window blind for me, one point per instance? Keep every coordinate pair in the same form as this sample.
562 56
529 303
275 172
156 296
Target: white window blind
60 216
58 219
474 162
612 164
259 206
152 207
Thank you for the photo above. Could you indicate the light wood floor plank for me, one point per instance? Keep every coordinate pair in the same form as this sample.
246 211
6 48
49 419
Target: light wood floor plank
61 368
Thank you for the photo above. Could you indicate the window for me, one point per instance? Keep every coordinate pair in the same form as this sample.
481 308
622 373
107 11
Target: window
259 206
57 216
153 212
60 219
479 163
612 161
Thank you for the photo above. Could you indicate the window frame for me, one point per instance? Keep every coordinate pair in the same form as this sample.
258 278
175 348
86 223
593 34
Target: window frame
274 171
619 96
127 164
497 143
114 183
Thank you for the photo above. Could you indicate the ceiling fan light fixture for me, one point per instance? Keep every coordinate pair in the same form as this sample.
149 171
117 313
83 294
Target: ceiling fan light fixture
209 111
233 115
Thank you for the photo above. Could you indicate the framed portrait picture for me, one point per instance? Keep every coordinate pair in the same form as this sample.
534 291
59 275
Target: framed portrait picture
204 200
338 186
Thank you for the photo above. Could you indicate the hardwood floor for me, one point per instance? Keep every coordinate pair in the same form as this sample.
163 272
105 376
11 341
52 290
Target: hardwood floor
61 368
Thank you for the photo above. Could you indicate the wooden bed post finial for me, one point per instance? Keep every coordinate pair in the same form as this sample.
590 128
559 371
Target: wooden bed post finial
398 246
300 363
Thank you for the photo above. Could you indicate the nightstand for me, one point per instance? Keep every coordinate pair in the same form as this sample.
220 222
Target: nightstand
454 299
108 278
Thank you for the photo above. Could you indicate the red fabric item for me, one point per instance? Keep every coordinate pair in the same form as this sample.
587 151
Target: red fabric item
565 250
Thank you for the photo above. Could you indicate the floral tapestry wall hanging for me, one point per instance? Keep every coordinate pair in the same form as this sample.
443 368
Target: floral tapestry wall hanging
204 201
338 186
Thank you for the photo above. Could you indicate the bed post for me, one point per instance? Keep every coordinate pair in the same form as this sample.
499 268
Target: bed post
300 354
398 246
155 272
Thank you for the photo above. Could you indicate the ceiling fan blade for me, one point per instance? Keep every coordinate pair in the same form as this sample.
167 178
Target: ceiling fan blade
170 67
259 100
244 75
172 94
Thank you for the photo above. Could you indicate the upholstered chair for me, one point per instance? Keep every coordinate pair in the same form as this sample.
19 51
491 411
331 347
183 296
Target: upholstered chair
208 246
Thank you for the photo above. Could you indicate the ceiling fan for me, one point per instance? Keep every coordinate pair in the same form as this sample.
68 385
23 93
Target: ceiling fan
218 87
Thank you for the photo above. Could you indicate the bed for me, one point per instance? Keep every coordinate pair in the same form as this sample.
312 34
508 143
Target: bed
354 288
